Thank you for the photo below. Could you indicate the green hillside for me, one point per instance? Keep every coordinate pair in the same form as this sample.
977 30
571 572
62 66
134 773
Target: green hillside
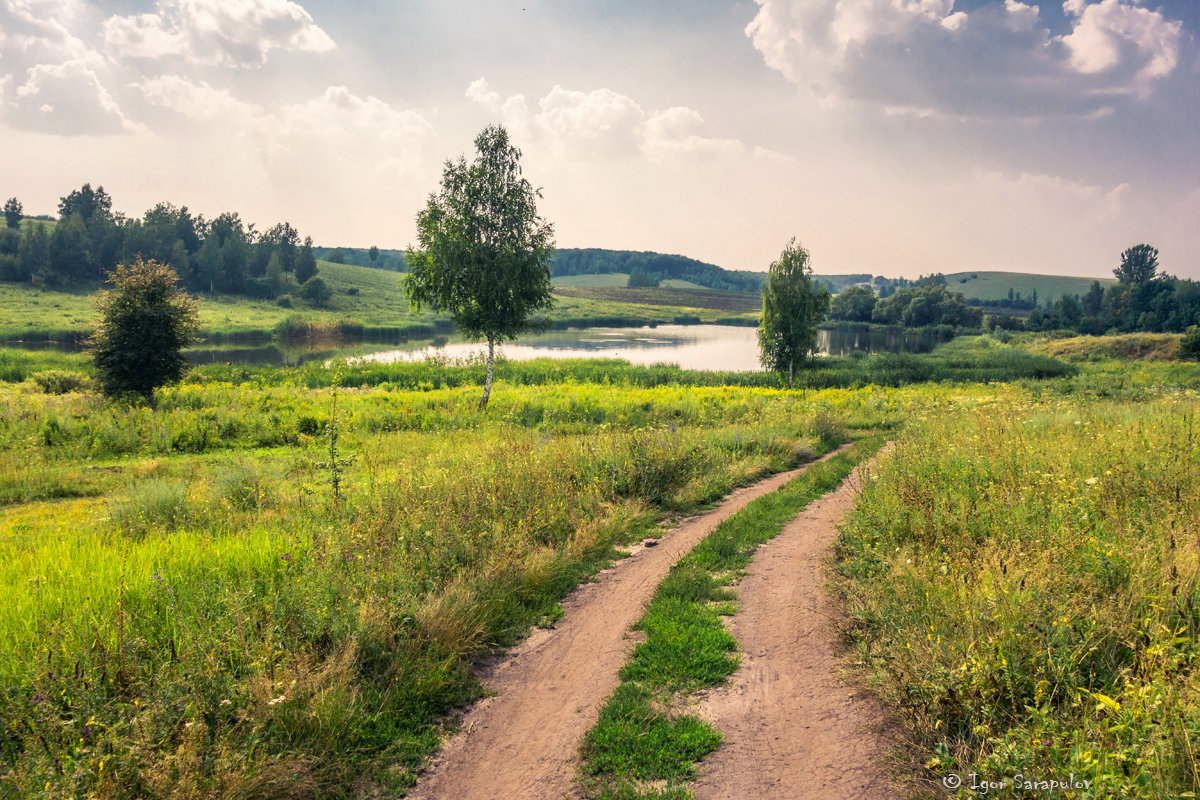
736 302
617 279
372 298
995 285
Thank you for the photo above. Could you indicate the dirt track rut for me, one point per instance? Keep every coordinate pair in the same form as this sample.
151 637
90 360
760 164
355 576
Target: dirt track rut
791 728
523 741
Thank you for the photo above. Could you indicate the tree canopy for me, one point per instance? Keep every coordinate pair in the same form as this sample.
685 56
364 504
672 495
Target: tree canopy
485 253
219 255
1139 264
792 308
853 304
13 211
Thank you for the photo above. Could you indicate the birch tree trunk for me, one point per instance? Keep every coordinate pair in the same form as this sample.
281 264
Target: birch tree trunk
487 384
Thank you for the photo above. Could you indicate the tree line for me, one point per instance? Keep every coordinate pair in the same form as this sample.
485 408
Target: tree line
1142 300
655 267
927 303
224 254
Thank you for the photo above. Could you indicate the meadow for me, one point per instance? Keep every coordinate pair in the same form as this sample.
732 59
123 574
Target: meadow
1023 584
365 303
273 581
995 285
211 595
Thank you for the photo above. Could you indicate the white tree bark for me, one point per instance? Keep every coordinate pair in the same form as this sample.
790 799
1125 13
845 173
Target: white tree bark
487 384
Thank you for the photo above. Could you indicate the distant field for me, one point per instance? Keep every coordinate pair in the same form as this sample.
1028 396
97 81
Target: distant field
995 285
606 279
616 280
693 298
30 313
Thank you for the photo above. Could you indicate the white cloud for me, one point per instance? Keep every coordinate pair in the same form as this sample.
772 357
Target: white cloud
673 131
1106 32
194 99
1021 16
999 59
66 99
340 114
601 123
216 32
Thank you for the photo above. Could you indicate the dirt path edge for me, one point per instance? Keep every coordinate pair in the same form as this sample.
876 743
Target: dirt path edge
522 740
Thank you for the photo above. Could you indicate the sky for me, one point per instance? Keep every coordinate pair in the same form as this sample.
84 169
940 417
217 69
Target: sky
891 137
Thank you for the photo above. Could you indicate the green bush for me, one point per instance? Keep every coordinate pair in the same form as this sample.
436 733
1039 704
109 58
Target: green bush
57 381
1189 346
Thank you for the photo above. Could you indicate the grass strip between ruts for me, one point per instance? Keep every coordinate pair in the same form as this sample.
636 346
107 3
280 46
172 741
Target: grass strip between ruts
639 748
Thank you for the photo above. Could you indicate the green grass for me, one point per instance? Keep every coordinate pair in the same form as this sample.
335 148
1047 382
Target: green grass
617 279
605 279
1023 581
995 285
639 748
183 600
365 302
735 303
1137 346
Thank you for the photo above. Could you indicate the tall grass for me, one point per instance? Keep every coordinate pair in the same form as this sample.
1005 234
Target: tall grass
210 622
1024 582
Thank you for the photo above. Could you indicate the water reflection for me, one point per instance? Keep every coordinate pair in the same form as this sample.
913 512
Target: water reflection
711 347
715 347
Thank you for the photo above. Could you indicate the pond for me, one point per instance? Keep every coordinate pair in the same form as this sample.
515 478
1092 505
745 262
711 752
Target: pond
725 348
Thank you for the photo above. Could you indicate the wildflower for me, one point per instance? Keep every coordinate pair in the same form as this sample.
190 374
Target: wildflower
1092 481
277 700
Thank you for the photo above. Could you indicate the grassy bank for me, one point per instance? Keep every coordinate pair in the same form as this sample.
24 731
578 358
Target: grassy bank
1135 346
1024 585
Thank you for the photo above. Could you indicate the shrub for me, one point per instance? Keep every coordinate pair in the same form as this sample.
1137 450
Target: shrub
1189 346
284 301
316 292
145 322
57 381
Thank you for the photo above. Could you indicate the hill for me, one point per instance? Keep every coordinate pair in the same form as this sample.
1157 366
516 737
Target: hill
370 301
986 286
617 279
738 302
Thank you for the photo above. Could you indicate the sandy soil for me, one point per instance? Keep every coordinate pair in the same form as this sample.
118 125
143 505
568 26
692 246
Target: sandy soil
523 742
791 728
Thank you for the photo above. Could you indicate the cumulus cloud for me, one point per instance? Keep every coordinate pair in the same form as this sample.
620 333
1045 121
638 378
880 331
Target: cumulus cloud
1113 32
1000 59
600 123
238 33
67 99
335 126
674 131
194 99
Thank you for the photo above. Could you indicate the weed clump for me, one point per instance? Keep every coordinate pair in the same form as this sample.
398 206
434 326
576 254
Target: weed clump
155 504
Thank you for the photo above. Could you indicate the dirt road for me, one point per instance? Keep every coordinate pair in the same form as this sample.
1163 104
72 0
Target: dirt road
791 728
523 742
